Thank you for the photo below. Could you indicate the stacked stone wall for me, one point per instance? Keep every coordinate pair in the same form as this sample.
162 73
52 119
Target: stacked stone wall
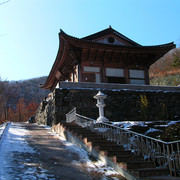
121 105
46 112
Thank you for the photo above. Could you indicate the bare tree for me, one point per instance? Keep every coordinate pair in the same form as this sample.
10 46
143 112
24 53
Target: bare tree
4 95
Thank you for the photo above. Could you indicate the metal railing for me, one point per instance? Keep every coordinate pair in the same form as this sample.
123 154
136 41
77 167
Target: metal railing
164 154
71 116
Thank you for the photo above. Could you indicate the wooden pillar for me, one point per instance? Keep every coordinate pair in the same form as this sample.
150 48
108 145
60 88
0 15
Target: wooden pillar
126 75
79 73
146 73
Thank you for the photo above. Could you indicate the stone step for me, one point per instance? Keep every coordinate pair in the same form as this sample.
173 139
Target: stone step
82 133
136 165
94 138
69 124
127 158
148 172
71 127
78 128
101 143
88 135
102 140
119 152
109 147
116 153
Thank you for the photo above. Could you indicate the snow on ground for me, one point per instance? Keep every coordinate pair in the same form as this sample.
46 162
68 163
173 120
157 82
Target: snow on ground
2 126
96 165
13 149
151 130
18 160
92 166
129 124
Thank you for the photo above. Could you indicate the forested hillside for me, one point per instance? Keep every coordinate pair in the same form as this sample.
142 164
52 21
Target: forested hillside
166 71
20 99
28 90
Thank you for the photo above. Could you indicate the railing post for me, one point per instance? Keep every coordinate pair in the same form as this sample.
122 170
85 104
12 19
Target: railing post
167 154
169 159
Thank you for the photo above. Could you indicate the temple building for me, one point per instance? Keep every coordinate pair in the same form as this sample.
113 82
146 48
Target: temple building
104 57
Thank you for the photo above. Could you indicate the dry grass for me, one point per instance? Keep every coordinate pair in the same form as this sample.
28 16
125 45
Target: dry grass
169 80
167 65
166 71
163 73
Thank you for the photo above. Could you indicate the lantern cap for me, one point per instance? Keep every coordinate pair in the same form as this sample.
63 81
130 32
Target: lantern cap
100 95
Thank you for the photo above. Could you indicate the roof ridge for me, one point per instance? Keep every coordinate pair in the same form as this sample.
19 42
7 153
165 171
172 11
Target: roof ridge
109 30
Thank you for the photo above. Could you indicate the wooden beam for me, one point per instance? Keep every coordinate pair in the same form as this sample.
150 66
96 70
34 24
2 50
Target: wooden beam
85 54
108 56
92 55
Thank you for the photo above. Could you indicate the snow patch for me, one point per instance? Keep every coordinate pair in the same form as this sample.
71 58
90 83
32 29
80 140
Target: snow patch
12 165
152 130
96 166
129 124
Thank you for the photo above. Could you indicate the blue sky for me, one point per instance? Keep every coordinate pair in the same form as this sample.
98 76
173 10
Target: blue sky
29 28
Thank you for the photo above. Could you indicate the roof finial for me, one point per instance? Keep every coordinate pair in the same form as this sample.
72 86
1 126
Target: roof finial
110 26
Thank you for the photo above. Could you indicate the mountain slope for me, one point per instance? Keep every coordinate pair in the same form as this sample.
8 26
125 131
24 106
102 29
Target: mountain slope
166 71
28 90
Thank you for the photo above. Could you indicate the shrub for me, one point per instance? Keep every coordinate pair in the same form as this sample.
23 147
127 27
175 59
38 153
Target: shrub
171 133
176 62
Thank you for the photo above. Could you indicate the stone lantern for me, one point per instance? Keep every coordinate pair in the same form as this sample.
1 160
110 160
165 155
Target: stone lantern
100 104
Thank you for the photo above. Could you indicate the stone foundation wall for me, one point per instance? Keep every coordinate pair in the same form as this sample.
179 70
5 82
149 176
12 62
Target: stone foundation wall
45 114
121 104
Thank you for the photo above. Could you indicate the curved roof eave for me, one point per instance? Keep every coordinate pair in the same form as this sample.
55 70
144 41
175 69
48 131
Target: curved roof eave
83 43
89 43
49 84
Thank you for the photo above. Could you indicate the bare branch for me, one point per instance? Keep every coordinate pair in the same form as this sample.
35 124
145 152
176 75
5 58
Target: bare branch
4 2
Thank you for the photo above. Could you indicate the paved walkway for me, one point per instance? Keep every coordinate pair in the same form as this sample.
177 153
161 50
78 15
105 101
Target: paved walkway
29 151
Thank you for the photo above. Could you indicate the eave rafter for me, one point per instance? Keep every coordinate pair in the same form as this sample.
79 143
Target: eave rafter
73 50
75 54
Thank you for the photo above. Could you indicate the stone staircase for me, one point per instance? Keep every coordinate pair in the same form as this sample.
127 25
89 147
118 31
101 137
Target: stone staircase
129 162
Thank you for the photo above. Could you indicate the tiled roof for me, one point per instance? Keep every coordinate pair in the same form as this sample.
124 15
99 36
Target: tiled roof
87 40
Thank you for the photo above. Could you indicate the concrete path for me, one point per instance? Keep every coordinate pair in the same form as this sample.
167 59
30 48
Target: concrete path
30 151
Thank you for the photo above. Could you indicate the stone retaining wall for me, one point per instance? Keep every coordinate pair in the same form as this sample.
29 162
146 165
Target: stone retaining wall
45 114
121 104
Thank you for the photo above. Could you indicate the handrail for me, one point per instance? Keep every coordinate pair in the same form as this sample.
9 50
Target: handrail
70 115
130 131
165 154
85 117
142 134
